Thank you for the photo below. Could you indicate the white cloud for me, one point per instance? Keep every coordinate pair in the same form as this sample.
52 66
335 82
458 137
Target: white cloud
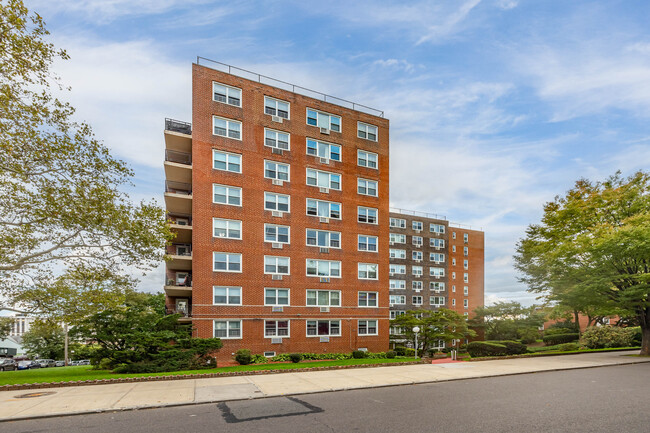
507 4
449 24
394 64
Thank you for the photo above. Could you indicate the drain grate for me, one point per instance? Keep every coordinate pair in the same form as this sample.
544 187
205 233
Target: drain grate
35 394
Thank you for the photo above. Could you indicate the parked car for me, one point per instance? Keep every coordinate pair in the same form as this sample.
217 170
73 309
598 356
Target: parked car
59 364
74 363
28 365
84 362
8 364
46 363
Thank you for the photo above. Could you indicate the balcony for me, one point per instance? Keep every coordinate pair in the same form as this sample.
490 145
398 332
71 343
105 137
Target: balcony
178 135
180 257
181 224
178 166
184 311
178 197
179 126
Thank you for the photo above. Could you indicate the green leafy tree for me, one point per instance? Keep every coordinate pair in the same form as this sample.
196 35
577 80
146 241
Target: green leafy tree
592 245
507 320
62 211
444 324
45 339
5 327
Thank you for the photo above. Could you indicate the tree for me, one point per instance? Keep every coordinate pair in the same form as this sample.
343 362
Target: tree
442 325
45 339
62 211
5 327
593 245
507 320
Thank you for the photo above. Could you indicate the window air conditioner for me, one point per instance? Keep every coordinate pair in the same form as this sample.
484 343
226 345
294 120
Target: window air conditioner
275 213
324 309
276 245
325 250
324 161
325 190
324 220
277 309
276 277
277 151
324 339
278 182
325 131
277 119
324 280
276 340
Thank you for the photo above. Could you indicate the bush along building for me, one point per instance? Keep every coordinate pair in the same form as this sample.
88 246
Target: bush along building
279 197
434 264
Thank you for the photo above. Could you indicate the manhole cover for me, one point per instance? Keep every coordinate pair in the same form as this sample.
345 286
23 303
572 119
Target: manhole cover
35 394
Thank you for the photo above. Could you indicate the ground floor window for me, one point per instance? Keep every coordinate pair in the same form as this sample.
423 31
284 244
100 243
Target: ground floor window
227 328
367 327
323 328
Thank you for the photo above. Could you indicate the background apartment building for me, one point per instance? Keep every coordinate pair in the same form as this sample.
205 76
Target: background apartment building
280 205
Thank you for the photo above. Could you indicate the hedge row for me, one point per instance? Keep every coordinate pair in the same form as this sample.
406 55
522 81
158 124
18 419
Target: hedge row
495 348
552 340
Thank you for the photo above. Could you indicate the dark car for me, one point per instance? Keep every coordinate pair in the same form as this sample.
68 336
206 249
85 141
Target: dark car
28 365
8 364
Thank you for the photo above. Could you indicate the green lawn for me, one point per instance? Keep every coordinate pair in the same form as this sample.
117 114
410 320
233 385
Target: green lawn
68 374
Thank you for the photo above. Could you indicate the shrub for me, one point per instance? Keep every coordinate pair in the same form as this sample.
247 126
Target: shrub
243 356
391 354
259 359
358 354
295 357
512 347
484 348
566 347
562 328
409 352
635 334
601 337
551 340
528 335
375 355
400 350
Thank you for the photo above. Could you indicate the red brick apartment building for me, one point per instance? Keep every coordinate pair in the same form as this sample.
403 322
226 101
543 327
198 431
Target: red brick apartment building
280 200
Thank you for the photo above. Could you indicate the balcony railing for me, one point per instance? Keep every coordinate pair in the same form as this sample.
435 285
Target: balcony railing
172 280
178 187
184 312
178 126
180 219
178 157
184 250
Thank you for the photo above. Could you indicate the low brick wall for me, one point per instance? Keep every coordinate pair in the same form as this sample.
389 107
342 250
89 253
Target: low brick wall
28 386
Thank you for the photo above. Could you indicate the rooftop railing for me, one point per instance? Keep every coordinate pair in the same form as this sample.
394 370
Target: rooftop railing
253 76
178 126
418 213
465 226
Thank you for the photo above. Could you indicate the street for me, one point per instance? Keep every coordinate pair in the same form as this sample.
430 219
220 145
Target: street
586 400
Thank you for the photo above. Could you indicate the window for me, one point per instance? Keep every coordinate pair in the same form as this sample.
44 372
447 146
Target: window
276 265
224 194
276 139
323 208
437 286
369 132
397 254
398 269
367 327
276 234
276 170
453 261
276 107
453 288
367 299
465 290
323 298
397 238
453 235
226 94
465 264
323 179
230 229
397 284
465 277
367 271
417 225
416 271
417 255
465 251
437 272
323 120
453 275
226 127
437 257
367 243
398 223
276 202
453 302
366 159
436 228
367 215
226 295
323 268
367 187
465 237
466 314
416 285
323 328
323 150
416 300
226 161
436 243
276 297
437 300
397 300
226 329
323 238
276 328
453 248
465 303
394 314
226 262
416 240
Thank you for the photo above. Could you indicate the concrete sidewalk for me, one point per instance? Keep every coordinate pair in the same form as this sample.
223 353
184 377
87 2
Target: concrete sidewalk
102 398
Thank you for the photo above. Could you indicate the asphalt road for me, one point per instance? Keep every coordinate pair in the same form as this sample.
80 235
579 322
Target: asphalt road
589 400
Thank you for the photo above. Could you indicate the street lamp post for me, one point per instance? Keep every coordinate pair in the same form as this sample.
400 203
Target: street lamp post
416 329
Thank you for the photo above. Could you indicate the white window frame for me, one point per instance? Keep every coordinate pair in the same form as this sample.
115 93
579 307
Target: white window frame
437 257
465 277
416 285
327 147
329 213
396 284
415 298
277 265
228 91
329 174
465 303
329 238
394 236
417 225
268 99
329 298
394 314
465 264
228 322
229 189
277 334
437 286
276 139
276 303
363 131
433 299
277 196
317 267
395 253
277 241
277 170
228 156
365 185
228 261
367 327
436 243
329 328
419 269
368 295
437 228
366 268
364 155
367 243
228 229
229 128
466 237
228 289
417 240
393 269
400 299
465 290
320 113
366 210
416 255
399 223
438 272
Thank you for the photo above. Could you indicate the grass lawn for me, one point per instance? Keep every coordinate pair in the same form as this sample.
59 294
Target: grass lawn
85 372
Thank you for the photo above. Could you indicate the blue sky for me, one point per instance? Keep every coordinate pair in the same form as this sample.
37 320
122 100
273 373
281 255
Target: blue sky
496 106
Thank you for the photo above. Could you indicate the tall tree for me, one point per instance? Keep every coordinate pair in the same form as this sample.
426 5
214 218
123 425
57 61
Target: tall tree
5 327
507 320
444 325
593 245
61 205
45 339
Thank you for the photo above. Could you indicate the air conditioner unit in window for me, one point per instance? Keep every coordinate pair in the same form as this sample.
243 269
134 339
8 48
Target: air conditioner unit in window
325 131
276 277
391 243
277 182
277 119
391 274
325 190
418 260
277 151
277 309
324 220
324 309
324 161
276 245
325 250
417 290
276 340
324 339
324 280
417 231
275 213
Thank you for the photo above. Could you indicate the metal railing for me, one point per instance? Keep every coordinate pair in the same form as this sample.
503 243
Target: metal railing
171 280
178 157
178 126
173 218
418 213
465 226
186 250
178 187
184 312
253 76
